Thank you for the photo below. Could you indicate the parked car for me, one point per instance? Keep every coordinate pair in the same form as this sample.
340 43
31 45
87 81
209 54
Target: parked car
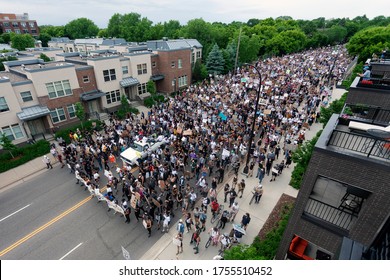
140 149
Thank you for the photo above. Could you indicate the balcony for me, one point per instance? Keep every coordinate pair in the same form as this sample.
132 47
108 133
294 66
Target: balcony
334 205
360 144
366 113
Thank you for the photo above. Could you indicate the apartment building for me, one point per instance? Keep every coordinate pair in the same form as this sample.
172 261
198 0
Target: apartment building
172 62
37 98
343 208
19 24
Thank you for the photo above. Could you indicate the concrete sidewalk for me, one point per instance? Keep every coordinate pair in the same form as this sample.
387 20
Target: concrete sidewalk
164 249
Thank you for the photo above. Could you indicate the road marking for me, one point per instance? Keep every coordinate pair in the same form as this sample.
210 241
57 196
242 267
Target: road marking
14 213
38 230
71 251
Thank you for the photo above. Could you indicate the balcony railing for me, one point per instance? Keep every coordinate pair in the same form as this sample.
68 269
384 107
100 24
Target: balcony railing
367 114
329 214
361 144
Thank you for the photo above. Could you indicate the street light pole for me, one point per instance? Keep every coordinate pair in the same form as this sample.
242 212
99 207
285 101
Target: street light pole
259 89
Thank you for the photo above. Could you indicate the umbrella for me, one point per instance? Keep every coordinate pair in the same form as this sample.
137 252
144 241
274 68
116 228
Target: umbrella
239 228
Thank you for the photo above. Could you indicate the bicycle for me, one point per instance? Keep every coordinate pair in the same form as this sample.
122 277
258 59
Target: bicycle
228 217
217 214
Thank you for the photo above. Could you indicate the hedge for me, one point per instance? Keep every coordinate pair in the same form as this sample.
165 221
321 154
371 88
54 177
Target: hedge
64 133
262 249
23 155
302 157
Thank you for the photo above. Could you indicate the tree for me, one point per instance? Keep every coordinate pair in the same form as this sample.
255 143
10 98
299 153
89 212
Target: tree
102 33
130 26
229 55
8 58
215 61
6 38
80 112
53 31
81 28
44 38
151 87
22 41
171 29
199 72
7 144
44 57
368 41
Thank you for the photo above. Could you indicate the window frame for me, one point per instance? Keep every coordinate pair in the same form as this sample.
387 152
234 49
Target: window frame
24 97
141 88
4 104
142 69
13 134
113 96
58 115
69 111
63 88
125 69
109 75
86 79
173 64
179 63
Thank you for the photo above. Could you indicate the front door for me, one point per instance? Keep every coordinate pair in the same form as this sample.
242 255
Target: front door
36 126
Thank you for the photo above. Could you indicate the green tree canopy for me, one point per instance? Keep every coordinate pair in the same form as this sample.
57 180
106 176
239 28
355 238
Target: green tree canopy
368 41
22 41
81 28
44 38
53 31
130 26
215 62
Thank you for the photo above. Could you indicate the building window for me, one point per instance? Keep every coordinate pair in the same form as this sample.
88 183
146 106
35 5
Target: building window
113 96
6 24
17 31
183 81
26 96
23 24
8 30
109 75
125 70
33 31
57 115
12 132
59 89
192 58
179 63
31 24
71 111
15 24
85 79
25 31
154 64
141 88
142 69
197 55
172 64
3 105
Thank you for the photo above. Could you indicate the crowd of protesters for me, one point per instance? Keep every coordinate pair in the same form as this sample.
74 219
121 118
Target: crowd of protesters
206 129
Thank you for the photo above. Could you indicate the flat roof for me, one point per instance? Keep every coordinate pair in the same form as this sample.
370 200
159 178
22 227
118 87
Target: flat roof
13 78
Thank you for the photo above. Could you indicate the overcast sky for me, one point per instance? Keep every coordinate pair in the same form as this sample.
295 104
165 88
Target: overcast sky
100 11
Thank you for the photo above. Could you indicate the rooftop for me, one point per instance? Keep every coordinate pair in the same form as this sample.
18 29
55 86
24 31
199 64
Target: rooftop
12 77
177 44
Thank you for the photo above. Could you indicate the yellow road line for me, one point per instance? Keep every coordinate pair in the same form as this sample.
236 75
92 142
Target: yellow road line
38 230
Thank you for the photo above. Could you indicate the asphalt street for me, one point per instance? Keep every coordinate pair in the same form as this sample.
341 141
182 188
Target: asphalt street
50 217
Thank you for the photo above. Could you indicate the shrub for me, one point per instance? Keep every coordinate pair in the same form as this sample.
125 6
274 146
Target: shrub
302 157
87 126
262 249
23 155
149 102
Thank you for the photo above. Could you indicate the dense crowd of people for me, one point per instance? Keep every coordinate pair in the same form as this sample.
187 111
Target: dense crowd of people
206 129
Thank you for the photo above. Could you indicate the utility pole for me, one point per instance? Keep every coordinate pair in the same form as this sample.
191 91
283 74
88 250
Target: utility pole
238 49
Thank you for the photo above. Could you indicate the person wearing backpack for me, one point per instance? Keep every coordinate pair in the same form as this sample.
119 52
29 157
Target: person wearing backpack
203 218
180 227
